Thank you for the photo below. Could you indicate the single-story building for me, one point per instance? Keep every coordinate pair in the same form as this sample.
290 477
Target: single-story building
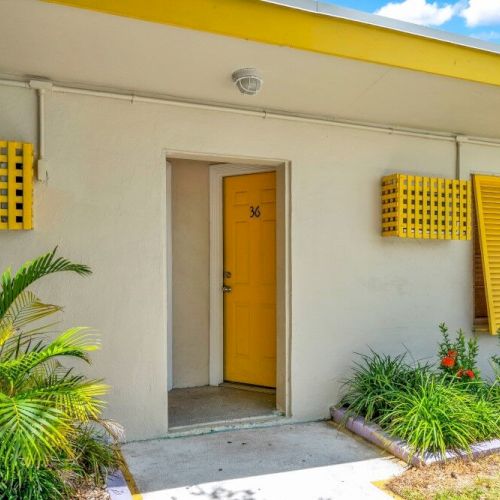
237 238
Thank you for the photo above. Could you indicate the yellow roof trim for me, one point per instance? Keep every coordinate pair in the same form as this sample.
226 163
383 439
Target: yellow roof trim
281 25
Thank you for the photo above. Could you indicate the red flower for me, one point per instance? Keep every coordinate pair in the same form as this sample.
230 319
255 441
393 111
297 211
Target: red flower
448 362
452 354
470 374
460 373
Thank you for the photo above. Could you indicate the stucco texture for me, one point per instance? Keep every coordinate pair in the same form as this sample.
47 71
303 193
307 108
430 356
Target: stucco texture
105 205
190 273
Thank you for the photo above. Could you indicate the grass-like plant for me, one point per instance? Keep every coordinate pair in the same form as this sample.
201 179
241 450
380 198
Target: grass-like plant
434 414
47 412
374 377
450 407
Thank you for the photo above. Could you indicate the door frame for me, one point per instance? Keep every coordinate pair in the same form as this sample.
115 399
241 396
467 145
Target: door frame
223 166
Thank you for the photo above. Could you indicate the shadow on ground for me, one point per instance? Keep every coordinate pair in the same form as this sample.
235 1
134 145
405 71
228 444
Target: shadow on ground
241 465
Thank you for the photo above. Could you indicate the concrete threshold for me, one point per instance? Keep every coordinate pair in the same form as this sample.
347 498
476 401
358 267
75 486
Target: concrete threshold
247 387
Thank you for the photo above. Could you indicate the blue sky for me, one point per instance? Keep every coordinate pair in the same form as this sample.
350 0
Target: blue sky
476 18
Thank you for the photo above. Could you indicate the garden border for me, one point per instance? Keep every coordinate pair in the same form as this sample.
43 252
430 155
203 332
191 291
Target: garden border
397 447
117 487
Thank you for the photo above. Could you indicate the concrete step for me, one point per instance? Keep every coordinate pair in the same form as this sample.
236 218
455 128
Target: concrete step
276 418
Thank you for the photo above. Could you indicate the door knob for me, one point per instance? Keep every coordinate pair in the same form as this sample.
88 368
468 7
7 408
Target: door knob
226 289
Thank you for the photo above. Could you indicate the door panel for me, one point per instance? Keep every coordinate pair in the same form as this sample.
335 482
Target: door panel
250 272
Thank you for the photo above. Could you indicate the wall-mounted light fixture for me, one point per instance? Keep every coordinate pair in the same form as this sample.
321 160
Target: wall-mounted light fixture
248 80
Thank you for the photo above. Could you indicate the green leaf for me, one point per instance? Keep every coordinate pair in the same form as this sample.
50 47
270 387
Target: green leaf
26 309
74 342
31 271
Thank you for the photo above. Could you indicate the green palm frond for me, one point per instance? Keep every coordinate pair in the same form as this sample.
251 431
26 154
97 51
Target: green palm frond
7 331
27 308
49 416
43 373
75 395
74 342
31 430
31 271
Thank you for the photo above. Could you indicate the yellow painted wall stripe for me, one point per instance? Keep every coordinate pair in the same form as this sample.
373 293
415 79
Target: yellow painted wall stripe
280 25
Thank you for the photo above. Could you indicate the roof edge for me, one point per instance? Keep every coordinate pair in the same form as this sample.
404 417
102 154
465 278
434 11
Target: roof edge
388 23
327 30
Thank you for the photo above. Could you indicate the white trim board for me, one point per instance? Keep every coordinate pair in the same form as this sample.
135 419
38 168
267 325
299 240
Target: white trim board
168 224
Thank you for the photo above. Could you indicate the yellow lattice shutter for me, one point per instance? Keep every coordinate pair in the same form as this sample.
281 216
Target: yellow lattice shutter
426 207
487 194
16 185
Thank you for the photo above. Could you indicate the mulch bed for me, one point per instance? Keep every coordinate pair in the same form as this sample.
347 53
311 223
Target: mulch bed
481 475
89 492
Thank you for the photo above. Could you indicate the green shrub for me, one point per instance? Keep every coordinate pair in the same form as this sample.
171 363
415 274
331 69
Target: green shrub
375 376
46 411
33 483
94 456
431 410
435 414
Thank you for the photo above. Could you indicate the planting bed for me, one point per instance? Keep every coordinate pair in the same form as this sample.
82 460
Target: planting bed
374 433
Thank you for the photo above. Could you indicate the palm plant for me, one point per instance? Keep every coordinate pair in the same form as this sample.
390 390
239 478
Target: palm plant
44 407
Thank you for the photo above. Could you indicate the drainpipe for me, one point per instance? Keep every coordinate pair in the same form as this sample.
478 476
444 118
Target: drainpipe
459 139
41 86
293 117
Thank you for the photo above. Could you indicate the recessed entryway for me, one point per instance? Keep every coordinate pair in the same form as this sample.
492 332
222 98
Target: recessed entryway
227 299
209 404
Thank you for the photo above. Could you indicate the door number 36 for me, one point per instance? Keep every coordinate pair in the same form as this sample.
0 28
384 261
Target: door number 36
255 212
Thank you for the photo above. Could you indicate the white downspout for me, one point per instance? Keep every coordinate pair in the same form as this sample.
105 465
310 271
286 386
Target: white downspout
459 139
41 86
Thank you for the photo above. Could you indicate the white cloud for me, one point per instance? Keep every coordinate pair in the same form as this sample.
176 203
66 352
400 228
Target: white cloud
421 11
487 35
482 13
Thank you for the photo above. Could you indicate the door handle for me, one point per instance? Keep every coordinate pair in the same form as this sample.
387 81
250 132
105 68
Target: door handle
226 289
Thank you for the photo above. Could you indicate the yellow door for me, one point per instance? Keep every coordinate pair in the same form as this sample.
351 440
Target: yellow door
250 279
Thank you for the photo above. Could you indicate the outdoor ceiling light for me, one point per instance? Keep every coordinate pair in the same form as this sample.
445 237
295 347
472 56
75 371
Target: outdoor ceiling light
248 80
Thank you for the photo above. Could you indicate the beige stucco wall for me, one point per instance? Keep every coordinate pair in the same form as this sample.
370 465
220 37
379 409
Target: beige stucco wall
105 205
190 276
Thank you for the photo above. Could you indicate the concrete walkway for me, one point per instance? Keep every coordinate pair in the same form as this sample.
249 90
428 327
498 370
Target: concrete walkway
311 461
